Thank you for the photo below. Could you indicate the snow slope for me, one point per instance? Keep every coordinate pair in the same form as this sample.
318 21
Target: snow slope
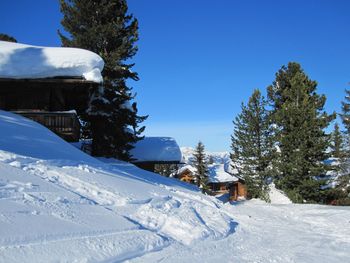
59 205
26 61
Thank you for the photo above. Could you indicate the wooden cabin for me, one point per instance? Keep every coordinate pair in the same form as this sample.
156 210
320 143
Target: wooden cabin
50 85
152 151
222 182
53 102
238 190
186 174
235 188
219 181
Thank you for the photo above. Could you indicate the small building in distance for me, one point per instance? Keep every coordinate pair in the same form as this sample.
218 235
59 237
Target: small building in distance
221 182
187 174
49 85
152 151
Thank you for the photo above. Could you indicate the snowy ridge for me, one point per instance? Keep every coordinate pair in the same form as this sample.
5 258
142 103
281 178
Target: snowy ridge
217 157
25 61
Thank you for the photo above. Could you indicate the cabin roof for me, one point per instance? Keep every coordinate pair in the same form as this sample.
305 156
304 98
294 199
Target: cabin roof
20 61
156 150
187 168
218 174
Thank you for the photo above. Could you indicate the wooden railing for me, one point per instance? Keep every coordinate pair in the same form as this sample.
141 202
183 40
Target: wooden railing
64 124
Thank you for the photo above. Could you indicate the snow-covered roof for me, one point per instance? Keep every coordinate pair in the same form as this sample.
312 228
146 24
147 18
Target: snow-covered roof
156 149
218 174
20 61
187 167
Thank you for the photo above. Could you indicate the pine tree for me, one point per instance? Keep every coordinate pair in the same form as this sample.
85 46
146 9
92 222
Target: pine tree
346 111
104 27
200 163
252 145
337 143
345 116
5 37
300 119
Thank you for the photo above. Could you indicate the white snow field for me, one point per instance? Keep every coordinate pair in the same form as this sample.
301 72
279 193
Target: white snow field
20 61
59 205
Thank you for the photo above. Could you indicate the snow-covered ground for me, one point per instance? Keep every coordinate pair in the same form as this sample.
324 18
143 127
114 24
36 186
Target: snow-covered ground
59 205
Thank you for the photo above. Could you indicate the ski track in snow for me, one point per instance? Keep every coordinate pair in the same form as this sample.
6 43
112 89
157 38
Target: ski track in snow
165 216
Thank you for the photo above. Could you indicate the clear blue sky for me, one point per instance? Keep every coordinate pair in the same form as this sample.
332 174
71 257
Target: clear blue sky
199 59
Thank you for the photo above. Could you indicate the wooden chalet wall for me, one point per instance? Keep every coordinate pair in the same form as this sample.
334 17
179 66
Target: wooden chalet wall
52 94
186 176
236 189
148 166
45 100
64 124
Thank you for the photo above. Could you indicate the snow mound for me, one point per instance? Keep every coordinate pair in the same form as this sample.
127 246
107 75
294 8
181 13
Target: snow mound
20 61
277 196
22 136
182 219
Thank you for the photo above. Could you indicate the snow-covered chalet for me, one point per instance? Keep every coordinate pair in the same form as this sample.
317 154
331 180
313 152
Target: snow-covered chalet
49 85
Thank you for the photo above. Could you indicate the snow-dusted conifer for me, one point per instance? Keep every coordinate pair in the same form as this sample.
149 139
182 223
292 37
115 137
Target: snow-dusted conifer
346 111
300 119
252 145
337 143
345 116
200 163
104 27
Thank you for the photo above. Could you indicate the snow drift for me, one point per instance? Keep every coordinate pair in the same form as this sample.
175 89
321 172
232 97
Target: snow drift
58 204
20 61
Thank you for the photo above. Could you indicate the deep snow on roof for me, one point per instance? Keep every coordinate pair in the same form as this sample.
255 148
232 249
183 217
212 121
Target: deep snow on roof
187 167
217 173
21 61
153 149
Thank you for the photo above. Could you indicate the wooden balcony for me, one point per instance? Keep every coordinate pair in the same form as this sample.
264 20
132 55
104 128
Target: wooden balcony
65 124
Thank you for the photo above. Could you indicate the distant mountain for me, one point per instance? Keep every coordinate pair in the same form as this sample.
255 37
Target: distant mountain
219 163
215 157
